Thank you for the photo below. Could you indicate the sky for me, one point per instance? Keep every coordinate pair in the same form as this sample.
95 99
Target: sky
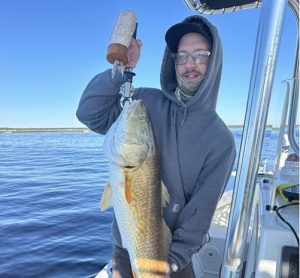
51 49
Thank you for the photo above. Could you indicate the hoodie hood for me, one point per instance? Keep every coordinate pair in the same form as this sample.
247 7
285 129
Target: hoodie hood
207 94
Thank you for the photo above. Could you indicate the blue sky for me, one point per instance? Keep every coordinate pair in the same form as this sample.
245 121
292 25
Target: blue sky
50 49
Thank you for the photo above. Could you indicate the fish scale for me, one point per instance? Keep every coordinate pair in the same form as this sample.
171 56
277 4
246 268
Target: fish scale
136 192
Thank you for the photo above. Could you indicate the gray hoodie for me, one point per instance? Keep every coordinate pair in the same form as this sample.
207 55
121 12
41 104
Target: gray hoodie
196 149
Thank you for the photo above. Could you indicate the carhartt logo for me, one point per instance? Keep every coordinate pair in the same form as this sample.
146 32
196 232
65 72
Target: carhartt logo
176 208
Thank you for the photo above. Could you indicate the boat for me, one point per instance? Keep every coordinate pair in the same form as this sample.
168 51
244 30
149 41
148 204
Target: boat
255 228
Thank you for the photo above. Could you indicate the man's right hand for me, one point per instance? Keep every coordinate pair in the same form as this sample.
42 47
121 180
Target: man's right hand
133 52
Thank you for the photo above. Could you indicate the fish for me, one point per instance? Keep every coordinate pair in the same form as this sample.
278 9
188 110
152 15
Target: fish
136 192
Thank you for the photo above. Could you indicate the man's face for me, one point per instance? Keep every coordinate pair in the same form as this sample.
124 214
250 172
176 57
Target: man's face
191 71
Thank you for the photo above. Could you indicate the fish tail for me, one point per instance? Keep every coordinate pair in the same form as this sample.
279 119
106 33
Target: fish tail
150 268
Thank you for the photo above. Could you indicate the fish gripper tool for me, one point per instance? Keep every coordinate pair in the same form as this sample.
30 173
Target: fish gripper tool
127 90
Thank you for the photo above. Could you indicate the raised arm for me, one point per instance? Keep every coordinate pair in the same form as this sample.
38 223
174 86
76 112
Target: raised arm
99 105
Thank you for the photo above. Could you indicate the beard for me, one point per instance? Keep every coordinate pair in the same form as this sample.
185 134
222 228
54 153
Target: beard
189 88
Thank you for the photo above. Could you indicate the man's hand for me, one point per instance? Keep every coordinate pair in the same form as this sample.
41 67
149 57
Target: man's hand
133 52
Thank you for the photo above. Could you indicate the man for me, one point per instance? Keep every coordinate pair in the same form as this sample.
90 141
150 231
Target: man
195 148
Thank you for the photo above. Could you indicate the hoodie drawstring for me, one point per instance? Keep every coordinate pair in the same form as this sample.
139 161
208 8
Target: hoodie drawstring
176 110
174 114
184 114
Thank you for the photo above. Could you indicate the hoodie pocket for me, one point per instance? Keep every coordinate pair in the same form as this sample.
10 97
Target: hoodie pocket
172 211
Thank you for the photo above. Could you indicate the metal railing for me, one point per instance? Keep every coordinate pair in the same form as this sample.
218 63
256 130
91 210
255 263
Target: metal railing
294 5
267 45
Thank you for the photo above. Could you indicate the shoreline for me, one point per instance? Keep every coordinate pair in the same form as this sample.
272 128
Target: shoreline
58 129
76 129
63 129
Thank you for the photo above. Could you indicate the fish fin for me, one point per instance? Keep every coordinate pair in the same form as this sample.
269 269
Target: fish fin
106 199
134 274
128 188
165 195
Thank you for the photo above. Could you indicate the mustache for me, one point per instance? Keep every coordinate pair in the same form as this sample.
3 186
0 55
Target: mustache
192 71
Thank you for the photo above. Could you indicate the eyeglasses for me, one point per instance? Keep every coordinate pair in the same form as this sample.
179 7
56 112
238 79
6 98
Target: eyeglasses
199 57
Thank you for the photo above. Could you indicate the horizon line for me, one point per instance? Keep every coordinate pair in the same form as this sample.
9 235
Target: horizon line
22 129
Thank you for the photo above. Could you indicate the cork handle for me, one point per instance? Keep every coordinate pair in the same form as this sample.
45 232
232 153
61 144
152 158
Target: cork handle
120 38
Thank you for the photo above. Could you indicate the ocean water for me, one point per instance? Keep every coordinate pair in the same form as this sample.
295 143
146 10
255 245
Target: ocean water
50 221
50 188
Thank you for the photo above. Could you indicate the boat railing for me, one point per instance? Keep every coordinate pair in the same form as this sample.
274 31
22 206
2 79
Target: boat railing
267 44
292 121
282 129
265 58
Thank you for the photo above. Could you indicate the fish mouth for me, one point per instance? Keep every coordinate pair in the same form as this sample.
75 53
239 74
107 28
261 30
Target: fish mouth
136 110
129 167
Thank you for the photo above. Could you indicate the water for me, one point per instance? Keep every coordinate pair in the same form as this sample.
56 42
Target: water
51 185
51 225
